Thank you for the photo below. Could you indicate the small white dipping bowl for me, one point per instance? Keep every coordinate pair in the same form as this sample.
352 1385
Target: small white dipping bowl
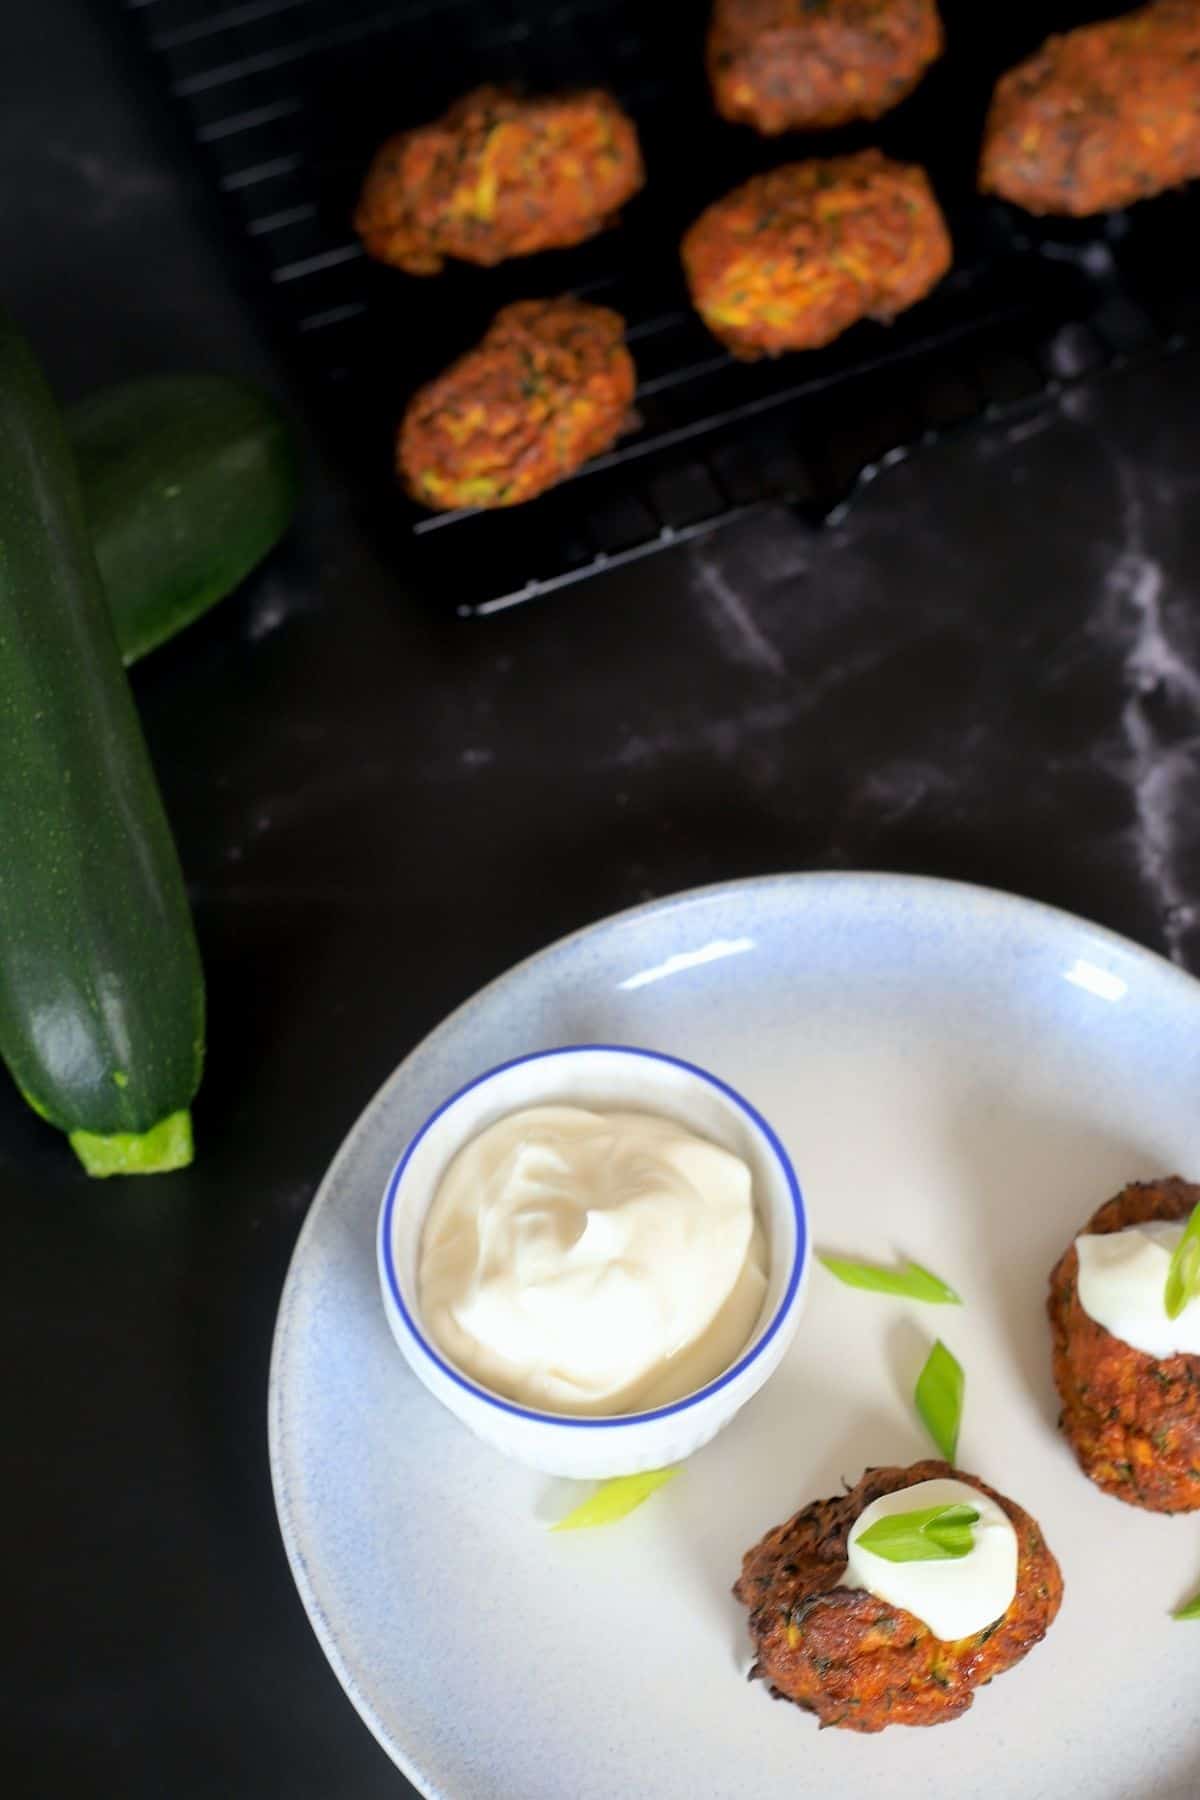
608 1078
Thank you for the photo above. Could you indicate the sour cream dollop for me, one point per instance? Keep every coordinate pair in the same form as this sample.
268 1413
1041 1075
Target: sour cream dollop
955 1598
592 1262
1122 1278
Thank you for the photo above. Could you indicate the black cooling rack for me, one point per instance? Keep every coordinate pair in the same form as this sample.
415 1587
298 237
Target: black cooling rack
286 100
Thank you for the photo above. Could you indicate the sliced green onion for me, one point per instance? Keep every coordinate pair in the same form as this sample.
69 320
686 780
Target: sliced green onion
912 1282
1189 1610
931 1534
614 1499
939 1398
1183 1276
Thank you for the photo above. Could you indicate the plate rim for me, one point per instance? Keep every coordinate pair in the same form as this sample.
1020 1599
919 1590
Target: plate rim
960 892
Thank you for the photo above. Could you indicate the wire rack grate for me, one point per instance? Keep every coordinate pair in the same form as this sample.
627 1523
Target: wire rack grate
286 99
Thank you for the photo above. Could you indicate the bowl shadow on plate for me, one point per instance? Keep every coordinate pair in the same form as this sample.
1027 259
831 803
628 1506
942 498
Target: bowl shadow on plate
1032 1199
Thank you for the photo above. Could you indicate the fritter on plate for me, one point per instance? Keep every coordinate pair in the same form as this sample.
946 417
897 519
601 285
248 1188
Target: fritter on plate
860 1662
803 65
1132 1420
1101 117
499 176
549 385
792 258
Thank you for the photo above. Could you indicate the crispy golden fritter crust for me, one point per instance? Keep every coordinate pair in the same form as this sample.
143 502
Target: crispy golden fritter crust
1101 117
792 258
860 1662
1132 1421
499 176
803 65
550 384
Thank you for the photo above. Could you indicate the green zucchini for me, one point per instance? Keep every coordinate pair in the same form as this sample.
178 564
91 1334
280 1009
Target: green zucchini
101 990
188 481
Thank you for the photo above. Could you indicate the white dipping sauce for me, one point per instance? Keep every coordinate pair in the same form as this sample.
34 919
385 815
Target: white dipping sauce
588 1262
1122 1281
955 1598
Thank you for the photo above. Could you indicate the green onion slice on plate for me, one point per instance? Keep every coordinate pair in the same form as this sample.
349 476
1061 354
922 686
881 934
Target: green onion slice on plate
1183 1276
1189 1610
930 1534
912 1282
614 1499
939 1398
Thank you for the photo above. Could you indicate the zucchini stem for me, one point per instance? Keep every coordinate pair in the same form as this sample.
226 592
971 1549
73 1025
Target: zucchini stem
166 1146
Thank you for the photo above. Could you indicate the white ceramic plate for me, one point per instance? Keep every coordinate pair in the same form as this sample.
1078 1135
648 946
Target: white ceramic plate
960 1077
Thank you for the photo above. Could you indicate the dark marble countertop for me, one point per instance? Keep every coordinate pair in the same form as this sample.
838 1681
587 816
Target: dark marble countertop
989 669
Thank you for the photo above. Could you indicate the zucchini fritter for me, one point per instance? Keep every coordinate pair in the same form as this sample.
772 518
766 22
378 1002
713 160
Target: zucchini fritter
1101 117
860 1662
803 65
792 258
549 385
1132 1420
499 176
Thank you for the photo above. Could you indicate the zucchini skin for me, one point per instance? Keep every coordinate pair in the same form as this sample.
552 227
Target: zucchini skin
188 481
101 988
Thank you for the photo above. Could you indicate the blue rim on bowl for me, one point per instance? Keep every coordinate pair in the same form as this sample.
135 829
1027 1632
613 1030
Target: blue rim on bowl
661 1412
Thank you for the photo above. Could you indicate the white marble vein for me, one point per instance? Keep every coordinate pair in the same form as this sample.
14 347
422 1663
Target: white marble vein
1134 608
